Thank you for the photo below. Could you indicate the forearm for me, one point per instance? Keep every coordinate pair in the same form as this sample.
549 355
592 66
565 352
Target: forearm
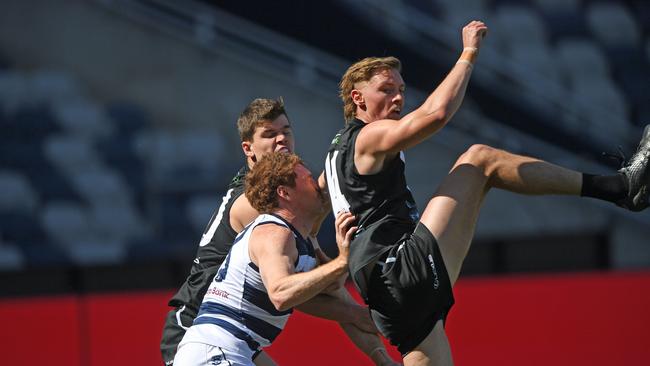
297 288
432 115
329 307
364 335
448 96
353 319
450 93
368 343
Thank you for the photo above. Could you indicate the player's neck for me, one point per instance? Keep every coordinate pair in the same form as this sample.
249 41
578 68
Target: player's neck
363 117
302 223
250 163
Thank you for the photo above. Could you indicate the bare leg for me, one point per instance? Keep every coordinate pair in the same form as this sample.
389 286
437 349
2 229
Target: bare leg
452 213
434 350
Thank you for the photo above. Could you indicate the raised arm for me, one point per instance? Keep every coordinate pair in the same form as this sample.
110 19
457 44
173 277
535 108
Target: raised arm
273 249
392 136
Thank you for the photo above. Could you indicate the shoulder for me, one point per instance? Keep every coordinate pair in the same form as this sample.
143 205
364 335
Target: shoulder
371 147
374 131
242 203
272 227
241 213
271 235
377 127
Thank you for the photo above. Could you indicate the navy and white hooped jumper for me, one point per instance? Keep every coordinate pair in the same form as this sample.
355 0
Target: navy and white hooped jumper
236 310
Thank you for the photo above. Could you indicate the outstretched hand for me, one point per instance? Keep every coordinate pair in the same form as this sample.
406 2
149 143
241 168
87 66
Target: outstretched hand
473 34
344 232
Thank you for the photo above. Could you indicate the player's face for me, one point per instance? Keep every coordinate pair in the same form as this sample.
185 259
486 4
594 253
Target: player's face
307 190
271 136
383 95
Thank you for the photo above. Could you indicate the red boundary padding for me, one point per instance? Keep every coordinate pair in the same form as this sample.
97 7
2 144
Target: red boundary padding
585 319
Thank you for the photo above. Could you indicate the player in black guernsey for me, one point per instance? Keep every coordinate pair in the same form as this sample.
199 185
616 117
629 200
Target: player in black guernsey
213 249
403 264
263 127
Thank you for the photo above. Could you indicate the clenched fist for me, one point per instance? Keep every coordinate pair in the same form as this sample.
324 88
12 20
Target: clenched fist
473 34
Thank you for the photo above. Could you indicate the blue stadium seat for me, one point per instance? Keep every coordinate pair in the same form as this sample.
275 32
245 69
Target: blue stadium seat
56 186
117 152
27 157
161 249
199 209
43 255
127 117
460 12
563 18
24 231
30 122
18 195
613 24
171 222
581 59
518 25
53 86
118 221
11 258
82 118
71 153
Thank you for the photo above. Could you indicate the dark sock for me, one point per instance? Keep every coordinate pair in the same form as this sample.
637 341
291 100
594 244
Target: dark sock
610 188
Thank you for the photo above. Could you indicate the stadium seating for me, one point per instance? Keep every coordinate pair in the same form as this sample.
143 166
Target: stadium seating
17 193
11 258
613 24
76 176
120 186
581 59
199 210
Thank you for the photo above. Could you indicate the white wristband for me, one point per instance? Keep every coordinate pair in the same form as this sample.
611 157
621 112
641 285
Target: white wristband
472 49
465 62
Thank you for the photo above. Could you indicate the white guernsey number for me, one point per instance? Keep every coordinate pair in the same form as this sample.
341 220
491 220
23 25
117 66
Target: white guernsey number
339 203
207 236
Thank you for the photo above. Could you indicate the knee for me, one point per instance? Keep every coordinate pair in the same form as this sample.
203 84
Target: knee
480 156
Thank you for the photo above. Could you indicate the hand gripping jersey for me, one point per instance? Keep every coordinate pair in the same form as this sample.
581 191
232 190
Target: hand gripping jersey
213 248
237 301
382 202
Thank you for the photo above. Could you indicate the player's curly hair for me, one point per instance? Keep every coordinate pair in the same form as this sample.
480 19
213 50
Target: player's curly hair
262 181
254 115
362 71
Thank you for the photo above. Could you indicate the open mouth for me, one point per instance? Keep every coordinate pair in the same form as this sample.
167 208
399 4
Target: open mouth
282 149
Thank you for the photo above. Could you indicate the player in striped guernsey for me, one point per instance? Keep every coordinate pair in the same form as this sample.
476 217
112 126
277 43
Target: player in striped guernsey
263 127
271 268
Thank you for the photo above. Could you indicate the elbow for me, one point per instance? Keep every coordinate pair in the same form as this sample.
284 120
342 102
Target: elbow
331 289
441 115
282 306
280 303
